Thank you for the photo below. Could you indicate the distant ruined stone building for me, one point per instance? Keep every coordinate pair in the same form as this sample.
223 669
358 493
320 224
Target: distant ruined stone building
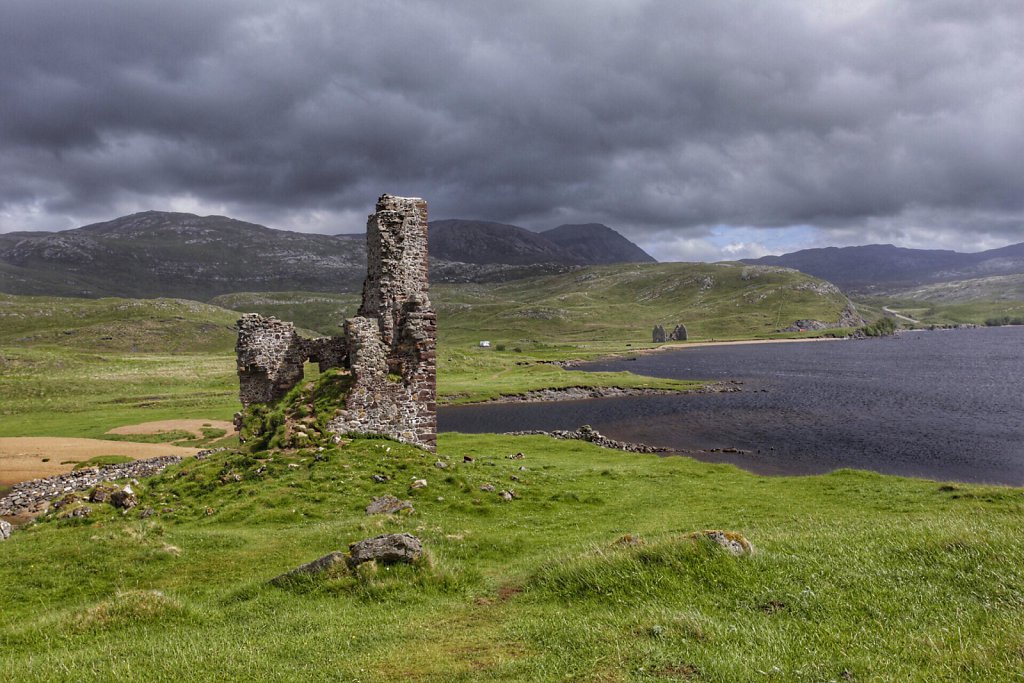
389 349
658 335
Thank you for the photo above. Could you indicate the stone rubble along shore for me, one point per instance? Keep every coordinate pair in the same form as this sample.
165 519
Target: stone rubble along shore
578 393
33 497
588 433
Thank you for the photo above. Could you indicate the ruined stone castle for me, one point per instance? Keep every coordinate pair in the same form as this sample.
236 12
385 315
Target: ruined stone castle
388 350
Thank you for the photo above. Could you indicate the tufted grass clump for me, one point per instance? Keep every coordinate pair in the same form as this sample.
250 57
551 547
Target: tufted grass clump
631 570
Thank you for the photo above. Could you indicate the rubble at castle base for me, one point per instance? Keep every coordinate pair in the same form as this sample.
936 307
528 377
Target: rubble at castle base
389 350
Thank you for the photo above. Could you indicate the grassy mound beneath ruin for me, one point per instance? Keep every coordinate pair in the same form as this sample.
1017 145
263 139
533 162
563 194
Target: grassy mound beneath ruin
588 573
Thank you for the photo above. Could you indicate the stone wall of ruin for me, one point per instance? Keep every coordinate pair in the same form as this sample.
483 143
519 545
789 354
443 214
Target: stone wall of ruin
389 349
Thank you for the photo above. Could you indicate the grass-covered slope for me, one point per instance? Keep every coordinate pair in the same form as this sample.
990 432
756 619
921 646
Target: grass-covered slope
586 575
316 311
622 303
78 367
133 325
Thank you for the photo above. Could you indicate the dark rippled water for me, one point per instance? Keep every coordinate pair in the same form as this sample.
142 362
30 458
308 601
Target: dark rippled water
943 405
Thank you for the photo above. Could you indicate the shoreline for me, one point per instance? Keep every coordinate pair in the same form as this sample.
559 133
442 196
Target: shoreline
737 342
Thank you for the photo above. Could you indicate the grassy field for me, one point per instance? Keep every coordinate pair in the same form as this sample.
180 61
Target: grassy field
588 574
855 576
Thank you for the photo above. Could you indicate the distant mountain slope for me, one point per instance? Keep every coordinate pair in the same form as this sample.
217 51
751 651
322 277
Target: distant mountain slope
162 254
483 242
487 242
156 253
596 244
883 267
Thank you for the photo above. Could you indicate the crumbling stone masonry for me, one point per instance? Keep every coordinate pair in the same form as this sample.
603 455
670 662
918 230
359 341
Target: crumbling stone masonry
389 349
658 335
271 355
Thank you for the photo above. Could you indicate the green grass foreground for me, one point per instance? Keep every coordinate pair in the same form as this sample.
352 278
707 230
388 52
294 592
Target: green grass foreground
856 576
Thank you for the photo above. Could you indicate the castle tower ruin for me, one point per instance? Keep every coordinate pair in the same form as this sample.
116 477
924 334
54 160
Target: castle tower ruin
389 349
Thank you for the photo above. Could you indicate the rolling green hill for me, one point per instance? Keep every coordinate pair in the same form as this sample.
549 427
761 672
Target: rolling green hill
621 303
317 311
122 325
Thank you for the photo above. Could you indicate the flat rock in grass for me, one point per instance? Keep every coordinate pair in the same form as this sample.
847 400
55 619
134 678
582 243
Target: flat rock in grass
388 505
317 566
730 541
5 530
386 549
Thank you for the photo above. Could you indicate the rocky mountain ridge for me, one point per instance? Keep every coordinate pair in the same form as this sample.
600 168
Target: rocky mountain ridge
157 253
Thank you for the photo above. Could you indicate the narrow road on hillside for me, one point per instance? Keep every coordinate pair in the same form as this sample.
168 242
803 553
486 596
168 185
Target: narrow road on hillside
893 313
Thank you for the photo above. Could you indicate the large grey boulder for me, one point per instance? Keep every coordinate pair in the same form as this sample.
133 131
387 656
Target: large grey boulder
317 566
658 334
386 549
5 530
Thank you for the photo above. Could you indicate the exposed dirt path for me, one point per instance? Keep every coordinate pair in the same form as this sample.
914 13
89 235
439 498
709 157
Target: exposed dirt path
21 457
193 427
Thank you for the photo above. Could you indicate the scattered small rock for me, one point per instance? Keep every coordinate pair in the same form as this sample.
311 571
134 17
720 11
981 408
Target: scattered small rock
591 435
388 505
386 549
31 497
515 456
467 458
513 478
730 541
124 499
507 495
418 484
69 499
146 512
103 493
380 478
441 465
78 512
5 530
489 488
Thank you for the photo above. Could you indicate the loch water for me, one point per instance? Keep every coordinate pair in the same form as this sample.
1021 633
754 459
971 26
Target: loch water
944 404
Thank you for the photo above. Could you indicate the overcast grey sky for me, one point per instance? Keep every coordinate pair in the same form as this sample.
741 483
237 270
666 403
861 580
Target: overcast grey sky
700 129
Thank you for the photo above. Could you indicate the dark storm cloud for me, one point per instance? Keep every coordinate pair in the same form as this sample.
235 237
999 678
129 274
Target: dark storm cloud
664 118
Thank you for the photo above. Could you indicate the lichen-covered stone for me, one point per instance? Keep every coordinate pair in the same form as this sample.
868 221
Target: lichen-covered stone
386 549
388 505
